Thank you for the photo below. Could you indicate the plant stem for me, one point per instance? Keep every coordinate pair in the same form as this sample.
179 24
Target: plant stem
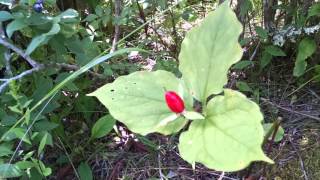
272 131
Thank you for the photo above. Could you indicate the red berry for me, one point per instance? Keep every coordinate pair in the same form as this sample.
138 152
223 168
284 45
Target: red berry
174 102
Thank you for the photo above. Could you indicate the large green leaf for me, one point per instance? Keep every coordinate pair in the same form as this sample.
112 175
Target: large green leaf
9 171
306 48
138 101
229 138
208 51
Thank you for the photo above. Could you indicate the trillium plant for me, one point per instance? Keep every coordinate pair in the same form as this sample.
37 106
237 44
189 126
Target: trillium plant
227 133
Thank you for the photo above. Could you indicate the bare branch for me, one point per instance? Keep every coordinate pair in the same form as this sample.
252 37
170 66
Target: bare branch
25 73
290 110
116 27
19 51
254 52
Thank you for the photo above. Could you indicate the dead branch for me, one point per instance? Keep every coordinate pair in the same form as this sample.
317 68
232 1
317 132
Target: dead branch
21 75
19 51
117 26
290 110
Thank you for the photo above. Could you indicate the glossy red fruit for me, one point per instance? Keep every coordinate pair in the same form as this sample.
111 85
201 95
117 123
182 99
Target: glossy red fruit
174 102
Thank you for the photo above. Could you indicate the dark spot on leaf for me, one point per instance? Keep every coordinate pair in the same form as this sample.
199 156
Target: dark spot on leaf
112 90
134 83
112 98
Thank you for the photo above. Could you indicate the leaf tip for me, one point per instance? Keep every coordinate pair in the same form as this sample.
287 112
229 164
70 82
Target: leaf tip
91 94
268 160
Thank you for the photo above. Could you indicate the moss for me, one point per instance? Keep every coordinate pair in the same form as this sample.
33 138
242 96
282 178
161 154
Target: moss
288 164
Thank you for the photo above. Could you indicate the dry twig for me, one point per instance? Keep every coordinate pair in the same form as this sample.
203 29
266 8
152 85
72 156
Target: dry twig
290 110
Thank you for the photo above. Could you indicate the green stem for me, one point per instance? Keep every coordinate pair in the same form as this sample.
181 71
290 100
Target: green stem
272 131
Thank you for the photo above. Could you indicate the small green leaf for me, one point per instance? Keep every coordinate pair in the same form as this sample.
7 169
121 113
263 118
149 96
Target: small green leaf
90 17
5 16
230 137
68 15
306 48
17 133
28 155
150 144
25 165
274 51
41 168
263 34
35 174
138 101
208 51
242 64
38 40
15 25
45 125
102 127
265 59
5 150
16 109
85 172
191 115
243 86
27 114
46 171
42 143
9 171
279 135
